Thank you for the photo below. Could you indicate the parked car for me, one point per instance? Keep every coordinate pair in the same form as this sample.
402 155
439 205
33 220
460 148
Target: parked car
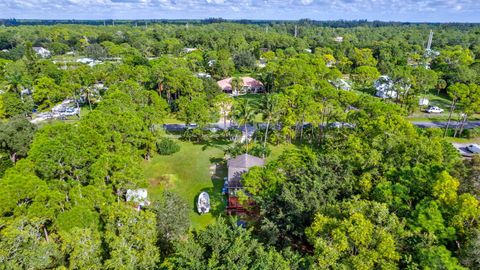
474 148
433 109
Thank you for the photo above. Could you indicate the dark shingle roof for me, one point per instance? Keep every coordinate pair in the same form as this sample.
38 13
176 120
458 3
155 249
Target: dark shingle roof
245 161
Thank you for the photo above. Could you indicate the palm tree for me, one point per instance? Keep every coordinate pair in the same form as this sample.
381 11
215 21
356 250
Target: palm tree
224 103
236 83
244 114
269 110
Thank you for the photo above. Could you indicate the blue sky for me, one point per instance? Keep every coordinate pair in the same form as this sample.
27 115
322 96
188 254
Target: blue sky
385 10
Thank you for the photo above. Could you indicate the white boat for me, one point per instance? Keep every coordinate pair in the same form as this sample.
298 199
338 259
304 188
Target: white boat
203 203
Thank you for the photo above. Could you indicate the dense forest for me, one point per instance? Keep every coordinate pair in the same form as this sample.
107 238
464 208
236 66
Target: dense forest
355 184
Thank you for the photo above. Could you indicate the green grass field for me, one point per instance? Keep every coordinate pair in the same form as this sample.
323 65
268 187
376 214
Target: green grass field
195 168
443 102
463 140
187 173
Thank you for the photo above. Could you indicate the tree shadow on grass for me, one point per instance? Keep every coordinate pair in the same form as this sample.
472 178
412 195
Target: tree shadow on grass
216 143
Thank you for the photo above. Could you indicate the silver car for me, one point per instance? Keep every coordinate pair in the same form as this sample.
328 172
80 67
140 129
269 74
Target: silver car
474 148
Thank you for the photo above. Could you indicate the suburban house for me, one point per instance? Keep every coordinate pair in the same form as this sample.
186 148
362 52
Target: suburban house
338 39
341 84
189 50
203 75
138 197
385 87
236 168
42 52
89 61
247 85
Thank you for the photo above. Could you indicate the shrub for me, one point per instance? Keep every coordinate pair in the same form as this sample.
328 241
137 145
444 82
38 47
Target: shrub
255 149
166 146
5 163
471 133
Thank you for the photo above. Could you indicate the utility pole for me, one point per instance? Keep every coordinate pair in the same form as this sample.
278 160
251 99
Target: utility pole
430 39
428 51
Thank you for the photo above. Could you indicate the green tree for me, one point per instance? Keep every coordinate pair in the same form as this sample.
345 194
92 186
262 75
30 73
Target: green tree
172 218
365 75
16 136
244 114
363 57
244 61
456 92
195 110
224 103
46 92
130 238
237 85
356 235
270 113
225 245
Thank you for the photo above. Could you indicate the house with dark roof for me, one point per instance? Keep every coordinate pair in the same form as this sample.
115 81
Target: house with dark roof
236 168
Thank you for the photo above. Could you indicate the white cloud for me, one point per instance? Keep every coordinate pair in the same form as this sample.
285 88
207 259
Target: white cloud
215 1
447 10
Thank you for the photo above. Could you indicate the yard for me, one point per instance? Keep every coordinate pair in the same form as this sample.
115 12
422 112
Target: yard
443 102
193 170
187 173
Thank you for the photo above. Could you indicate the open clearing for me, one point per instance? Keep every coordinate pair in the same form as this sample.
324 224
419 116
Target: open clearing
187 173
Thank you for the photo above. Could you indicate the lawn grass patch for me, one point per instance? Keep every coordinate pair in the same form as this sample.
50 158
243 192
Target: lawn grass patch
187 173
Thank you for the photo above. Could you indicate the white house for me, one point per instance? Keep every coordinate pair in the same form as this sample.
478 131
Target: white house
338 39
138 196
189 50
203 75
42 52
341 84
89 61
385 88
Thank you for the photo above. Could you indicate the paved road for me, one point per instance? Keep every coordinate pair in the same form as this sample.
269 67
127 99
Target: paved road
453 124
219 125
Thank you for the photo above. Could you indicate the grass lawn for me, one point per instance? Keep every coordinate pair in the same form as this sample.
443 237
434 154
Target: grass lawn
463 140
187 173
172 120
277 150
443 102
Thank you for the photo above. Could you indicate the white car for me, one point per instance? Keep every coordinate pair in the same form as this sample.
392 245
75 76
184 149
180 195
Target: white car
434 109
474 148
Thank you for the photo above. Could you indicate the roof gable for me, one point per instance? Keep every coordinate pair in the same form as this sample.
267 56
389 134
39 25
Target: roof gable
246 161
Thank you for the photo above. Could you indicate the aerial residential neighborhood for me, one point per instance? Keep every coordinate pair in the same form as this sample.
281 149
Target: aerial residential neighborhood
239 134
